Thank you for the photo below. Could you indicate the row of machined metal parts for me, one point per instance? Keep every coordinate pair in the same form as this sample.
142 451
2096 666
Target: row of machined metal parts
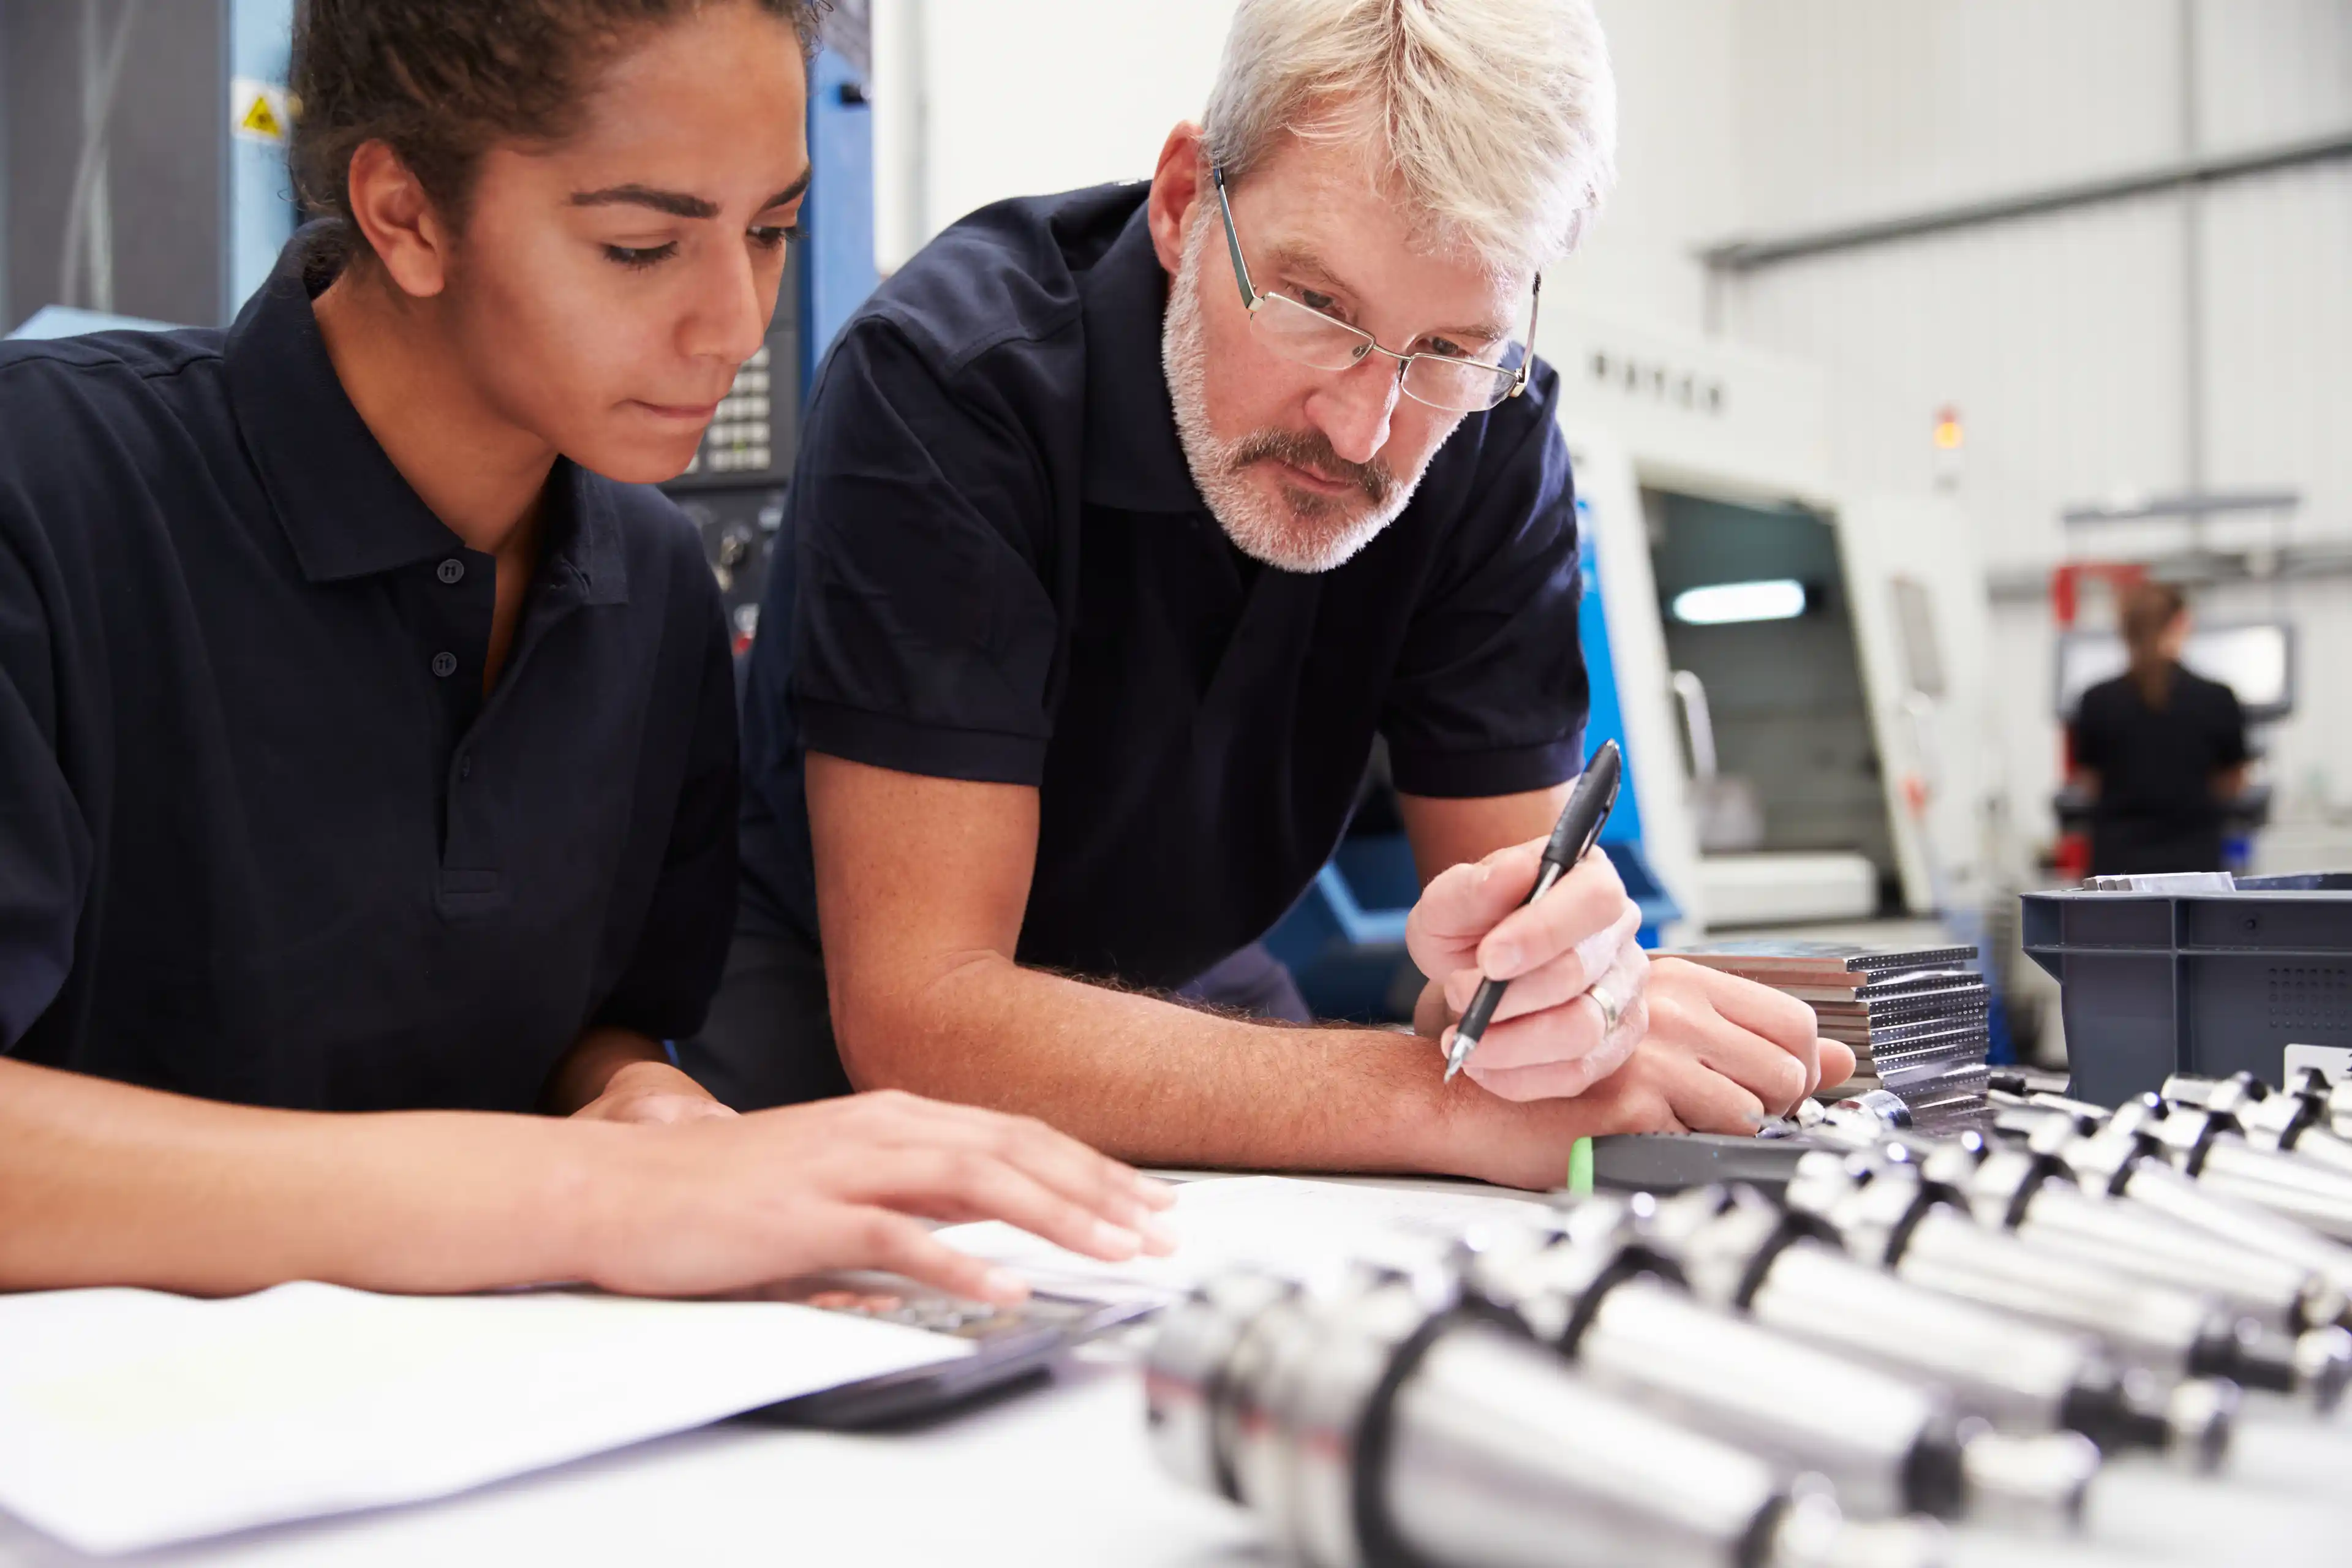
1924 1330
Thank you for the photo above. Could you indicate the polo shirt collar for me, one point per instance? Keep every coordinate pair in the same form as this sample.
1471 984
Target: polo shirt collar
345 509
1133 459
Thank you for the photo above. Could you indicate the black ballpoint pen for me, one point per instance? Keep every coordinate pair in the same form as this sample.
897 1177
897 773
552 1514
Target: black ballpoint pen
1580 825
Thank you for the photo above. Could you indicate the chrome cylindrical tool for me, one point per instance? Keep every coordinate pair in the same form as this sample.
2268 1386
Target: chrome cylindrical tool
2023 1121
1887 1214
2030 1190
2295 1121
1740 1251
2331 1097
2082 1109
2291 1124
2213 1093
1375 1428
2210 1146
1890 1445
2034 1197
2119 1162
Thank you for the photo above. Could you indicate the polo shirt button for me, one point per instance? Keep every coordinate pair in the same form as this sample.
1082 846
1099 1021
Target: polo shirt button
445 665
450 571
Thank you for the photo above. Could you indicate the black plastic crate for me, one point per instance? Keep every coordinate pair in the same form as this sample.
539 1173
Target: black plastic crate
2211 983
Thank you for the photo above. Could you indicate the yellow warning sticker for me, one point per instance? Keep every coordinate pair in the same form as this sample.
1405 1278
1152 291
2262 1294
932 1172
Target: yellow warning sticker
258 110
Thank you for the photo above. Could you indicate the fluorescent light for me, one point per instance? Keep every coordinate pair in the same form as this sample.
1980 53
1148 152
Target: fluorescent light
1728 603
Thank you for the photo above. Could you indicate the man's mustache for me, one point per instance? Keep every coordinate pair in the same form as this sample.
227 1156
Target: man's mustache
1313 452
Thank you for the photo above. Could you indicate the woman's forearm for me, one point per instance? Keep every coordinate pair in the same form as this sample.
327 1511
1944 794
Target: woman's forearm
103 1183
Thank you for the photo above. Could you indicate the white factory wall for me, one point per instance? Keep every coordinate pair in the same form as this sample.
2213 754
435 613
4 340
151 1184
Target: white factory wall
2062 339
1022 97
2059 338
974 103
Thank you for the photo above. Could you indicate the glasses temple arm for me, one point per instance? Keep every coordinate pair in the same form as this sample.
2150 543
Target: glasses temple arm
1528 360
1234 241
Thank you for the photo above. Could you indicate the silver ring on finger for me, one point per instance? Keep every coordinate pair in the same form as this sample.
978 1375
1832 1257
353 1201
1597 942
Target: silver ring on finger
1611 1008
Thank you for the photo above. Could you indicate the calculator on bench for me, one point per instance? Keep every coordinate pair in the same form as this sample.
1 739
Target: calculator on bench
1010 1344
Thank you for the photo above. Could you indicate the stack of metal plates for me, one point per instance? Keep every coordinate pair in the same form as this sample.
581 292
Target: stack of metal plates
1916 1019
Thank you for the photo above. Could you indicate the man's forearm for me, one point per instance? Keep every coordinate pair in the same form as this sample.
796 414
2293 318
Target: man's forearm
105 1183
1150 1081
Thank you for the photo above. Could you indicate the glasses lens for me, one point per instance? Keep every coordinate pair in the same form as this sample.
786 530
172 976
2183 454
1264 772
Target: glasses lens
1465 387
1309 337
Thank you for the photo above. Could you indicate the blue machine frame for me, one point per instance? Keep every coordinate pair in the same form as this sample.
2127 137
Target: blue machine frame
837 269
259 198
1344 940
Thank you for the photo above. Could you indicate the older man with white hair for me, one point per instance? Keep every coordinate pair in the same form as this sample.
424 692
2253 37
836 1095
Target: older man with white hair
1126 520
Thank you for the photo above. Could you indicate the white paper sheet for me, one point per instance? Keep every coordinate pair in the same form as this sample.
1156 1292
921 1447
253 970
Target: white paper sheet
1304 1228
130 1418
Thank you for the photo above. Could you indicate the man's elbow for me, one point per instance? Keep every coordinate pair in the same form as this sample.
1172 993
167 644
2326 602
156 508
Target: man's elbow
893 1030
872 1038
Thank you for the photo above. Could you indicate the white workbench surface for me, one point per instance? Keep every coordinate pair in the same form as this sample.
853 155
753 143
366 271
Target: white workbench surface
1061 1477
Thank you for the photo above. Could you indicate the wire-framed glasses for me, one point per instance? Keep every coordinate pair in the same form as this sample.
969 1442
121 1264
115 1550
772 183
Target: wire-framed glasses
1304 334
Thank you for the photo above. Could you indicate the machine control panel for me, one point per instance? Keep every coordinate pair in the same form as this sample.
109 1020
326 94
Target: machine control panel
739 528
742 435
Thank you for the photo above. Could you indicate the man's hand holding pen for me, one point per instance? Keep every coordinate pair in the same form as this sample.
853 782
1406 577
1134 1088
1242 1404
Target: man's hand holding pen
1577 1003
1652 1045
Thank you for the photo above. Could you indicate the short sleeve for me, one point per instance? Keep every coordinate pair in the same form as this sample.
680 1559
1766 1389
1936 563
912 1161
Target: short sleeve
1490 693
922 635
681 947
2230 749
44 843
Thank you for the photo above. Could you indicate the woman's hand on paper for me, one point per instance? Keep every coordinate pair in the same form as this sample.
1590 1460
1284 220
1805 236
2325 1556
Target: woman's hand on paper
716 1205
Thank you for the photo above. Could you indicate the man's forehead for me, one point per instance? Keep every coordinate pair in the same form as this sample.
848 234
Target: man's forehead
1330 203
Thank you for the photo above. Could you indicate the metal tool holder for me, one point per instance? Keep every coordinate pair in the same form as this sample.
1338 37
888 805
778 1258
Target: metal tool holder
1378 1427
1952 1327
1889 1213
1616 1306
2310 1104
2034 1196
1785 1270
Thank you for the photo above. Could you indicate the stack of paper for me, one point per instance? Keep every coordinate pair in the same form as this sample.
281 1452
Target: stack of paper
1916 1019
1307 1230
130 1418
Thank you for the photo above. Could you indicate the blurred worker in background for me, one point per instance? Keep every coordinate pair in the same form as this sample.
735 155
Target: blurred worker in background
2161 751
1124 522
367 747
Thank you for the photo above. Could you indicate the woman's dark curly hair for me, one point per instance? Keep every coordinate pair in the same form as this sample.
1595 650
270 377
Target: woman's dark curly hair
439 80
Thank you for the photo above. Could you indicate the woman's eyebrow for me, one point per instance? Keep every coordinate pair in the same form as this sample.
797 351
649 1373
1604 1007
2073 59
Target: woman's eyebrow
676 203
680 204
791 193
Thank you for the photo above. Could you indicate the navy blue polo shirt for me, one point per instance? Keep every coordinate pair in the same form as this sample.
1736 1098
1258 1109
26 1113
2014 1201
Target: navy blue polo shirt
996 566
262 839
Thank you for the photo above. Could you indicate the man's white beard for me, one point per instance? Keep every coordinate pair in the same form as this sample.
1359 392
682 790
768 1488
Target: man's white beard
1295 529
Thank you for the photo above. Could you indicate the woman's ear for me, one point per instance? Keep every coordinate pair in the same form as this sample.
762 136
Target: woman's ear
399 220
